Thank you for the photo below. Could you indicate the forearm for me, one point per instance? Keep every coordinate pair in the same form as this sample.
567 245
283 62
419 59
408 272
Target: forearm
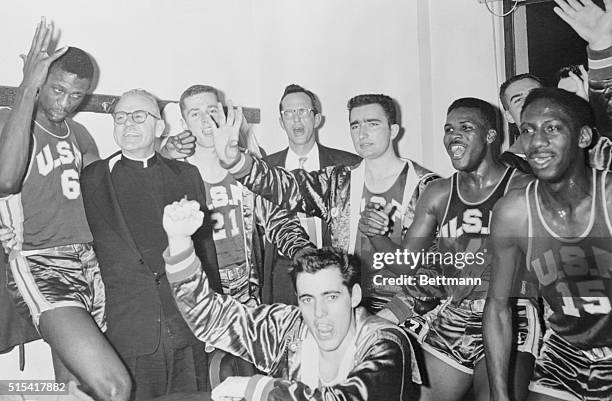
385 373
296 191
15 141
600 82
220 320
282 228
497 329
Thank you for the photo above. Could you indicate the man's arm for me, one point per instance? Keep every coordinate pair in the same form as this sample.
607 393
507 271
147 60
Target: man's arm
281 227
385 371
15 133
294 191
217 319
594 25
509 223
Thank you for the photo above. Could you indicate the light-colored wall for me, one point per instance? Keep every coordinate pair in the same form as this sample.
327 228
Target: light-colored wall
424 53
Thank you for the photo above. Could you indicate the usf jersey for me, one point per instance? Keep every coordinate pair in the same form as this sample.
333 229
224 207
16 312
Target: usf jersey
463 238
574 273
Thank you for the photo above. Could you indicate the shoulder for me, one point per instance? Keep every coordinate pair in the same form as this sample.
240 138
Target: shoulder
277 157
179 166
374 329
340 156
423 173
519 180
510 212
96 169
76 128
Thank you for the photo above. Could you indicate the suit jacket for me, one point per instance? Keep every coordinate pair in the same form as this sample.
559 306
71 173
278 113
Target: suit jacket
137 294
273 264
327 157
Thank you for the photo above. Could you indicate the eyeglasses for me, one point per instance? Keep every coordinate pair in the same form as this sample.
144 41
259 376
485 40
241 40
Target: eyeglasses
290 113
138 116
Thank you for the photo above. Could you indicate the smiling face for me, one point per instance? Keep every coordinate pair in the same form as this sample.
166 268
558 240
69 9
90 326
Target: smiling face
196 108
466 138
138 140
61 94
551 140
371 132
327 307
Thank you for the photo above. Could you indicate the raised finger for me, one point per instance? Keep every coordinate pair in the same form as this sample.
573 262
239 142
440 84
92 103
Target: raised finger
576 5
34 44
564 6
57 54
239 116
563 15
47 38
231 114
220 116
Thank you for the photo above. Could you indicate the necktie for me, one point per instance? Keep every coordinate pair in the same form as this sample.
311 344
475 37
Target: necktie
302 161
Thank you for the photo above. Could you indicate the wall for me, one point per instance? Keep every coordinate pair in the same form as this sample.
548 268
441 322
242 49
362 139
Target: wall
423 53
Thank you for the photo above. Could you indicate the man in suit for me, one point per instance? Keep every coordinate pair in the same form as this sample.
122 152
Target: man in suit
300 117
124 197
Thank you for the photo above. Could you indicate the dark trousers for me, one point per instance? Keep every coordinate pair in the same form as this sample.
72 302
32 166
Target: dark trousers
168 371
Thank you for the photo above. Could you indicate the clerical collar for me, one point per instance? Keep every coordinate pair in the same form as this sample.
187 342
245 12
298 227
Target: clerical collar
134 162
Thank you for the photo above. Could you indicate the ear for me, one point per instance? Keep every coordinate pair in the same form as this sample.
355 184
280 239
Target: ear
160 126
395 128
509 117
491 136
282 123
355 295
317 120
585 137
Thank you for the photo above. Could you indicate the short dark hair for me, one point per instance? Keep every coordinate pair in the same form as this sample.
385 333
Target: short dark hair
577 108
75 61
314 260
513 79
196 90
386 102
489 113
294 88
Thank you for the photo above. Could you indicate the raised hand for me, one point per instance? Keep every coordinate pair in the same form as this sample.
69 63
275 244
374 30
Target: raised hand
226 131
181 219
580 83
36 63
375 219
588 20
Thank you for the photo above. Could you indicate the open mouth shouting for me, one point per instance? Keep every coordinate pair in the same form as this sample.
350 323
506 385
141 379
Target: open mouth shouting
457 150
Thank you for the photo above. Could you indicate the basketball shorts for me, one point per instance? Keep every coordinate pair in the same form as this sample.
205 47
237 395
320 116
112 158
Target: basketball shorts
46 279
453 334
569 373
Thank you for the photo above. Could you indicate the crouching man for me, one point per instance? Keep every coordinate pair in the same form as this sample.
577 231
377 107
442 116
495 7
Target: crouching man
325 349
